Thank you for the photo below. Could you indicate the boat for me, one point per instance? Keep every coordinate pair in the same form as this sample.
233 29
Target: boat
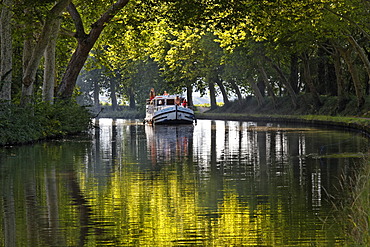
168 109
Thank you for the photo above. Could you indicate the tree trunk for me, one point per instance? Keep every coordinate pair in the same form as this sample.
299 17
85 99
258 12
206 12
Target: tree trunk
359 90
331 79
84 46
28 45
31 67
113 93
131 98
49 71
6 51
341 93
212 95
261 86
237 90
189 95
223 91
362 54
293 79
308 80
257 93
96 95
287 85
267 84
322 84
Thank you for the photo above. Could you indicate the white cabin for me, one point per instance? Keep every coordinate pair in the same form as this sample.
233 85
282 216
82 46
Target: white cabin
168 109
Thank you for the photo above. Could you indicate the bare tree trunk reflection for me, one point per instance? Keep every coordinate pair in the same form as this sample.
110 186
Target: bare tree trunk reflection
52 201
215 182
9 213
114 141
32 212
82 206
262 160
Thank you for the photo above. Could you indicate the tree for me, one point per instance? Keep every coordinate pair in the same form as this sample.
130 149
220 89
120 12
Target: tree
188 41
85 42
31 64
50 67
6 50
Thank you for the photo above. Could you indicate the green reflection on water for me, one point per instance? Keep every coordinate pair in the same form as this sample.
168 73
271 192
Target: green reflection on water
134 186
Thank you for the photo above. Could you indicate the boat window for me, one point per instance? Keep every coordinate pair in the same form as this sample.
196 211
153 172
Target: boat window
170 101
159 102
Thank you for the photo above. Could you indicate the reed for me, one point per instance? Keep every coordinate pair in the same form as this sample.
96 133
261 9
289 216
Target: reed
358 210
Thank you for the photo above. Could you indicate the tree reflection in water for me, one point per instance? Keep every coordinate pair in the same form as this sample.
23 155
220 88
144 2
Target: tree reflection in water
218 183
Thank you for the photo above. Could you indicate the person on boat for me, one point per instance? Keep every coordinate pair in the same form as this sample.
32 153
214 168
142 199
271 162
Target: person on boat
151 94
165 93
177 100
184 103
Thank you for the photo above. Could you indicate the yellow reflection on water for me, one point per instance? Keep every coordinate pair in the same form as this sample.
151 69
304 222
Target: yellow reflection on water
164 209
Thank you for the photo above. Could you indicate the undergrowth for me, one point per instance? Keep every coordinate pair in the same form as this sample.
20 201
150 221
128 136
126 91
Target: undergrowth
284 106
39 121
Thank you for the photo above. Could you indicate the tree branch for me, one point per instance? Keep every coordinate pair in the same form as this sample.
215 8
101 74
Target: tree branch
349 20
80 30
111 12
67 32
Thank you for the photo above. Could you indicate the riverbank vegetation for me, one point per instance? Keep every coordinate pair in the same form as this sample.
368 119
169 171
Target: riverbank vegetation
27 124
356 209
249 110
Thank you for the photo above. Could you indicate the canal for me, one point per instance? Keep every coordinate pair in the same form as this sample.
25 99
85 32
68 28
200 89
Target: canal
217 183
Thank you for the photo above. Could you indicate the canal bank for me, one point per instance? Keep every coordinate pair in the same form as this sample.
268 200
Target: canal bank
350 123
328 113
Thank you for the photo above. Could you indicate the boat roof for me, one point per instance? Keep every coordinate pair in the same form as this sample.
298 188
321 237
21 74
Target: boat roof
167 96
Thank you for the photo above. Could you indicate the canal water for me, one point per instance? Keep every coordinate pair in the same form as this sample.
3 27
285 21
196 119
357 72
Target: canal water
218 183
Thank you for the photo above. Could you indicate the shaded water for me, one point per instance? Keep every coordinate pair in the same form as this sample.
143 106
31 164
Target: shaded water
219 183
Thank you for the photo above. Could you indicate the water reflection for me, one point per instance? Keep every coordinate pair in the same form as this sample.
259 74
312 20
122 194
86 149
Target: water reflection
218 183
168 143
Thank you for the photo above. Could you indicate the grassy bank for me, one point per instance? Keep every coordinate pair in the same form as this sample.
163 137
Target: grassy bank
41 121
283 106
350 117
357 209
351 123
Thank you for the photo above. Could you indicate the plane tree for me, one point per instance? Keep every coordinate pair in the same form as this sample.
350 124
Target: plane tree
86 39
291 30
285 39
6 50
192 58
179 58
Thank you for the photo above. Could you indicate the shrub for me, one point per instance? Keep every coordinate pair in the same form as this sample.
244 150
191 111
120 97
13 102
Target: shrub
34 122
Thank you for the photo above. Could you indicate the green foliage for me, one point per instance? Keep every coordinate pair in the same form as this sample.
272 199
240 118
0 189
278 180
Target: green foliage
170 45
32 123
18 125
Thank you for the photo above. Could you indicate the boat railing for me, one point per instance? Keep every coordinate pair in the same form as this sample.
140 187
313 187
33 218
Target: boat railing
164 101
